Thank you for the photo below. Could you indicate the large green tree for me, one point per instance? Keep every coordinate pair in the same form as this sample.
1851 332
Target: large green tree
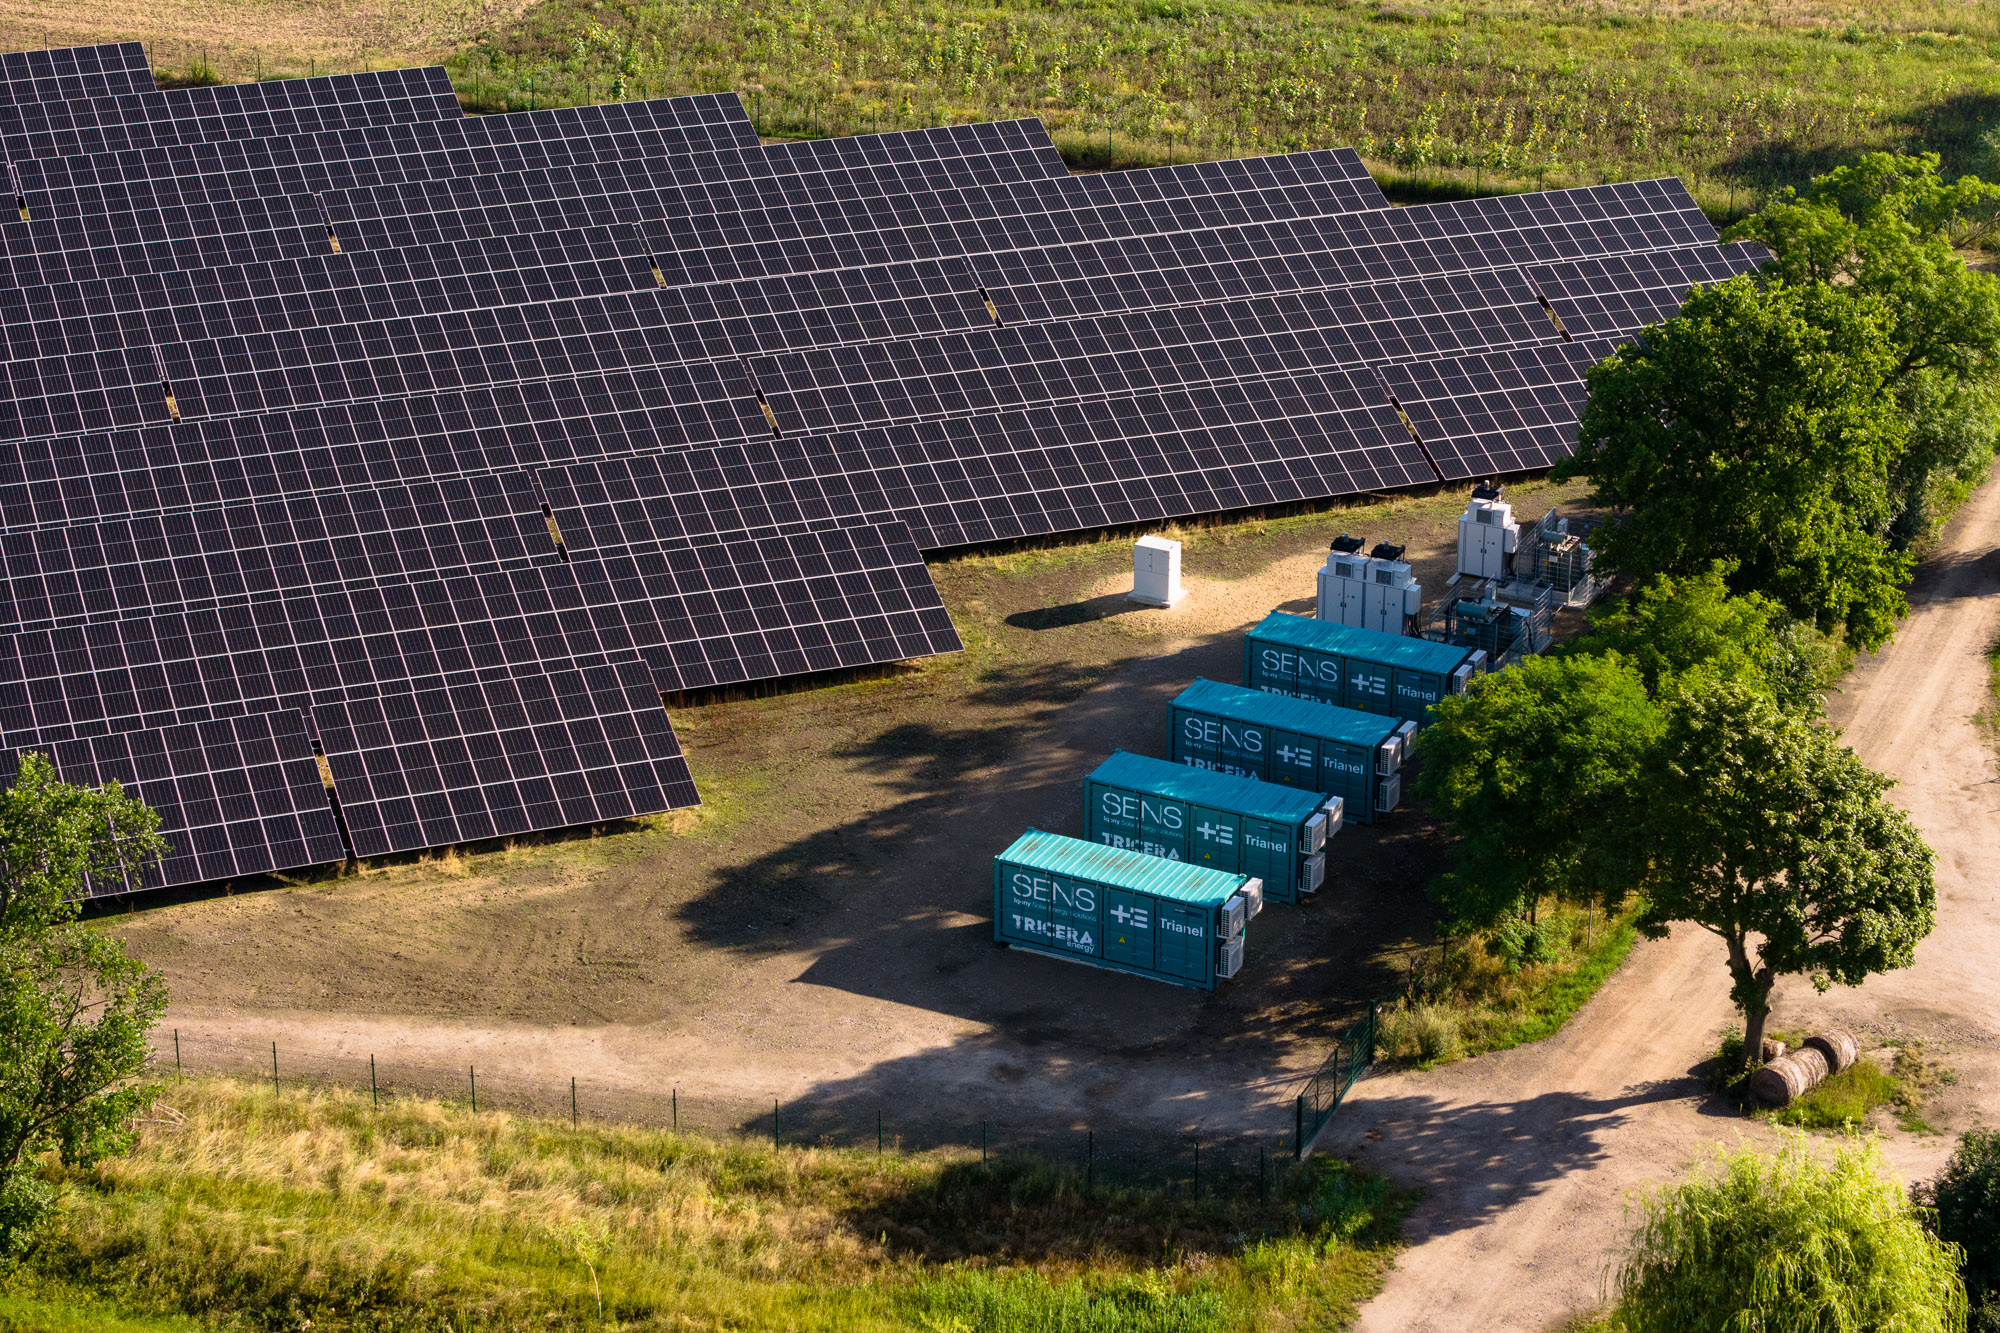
1755 428
1760 826
1883 230
1531 771
1670 626
75 1010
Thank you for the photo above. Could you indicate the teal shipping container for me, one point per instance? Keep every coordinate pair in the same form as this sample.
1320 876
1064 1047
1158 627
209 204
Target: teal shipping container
1212 819
1124 910
1293 743
1356 668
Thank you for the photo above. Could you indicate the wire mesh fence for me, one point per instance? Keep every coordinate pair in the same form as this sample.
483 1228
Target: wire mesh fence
1352 1053
1099 1156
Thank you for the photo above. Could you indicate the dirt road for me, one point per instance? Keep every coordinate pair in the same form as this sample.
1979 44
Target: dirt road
1528 1157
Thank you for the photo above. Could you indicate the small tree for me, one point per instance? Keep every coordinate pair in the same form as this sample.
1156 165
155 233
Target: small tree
1763 828
1755 428
74 1008
1788 1244
1964 1204
1530 771
1670 626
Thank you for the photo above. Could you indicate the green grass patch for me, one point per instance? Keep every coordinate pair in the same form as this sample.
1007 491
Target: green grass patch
1479 998
58 1314
1481 96
242 1208
1841 1100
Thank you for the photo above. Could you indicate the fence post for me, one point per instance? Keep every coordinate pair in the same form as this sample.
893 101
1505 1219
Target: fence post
177 1055
572 1101
472 1081
374 1090
1089 1159
1197 1168
774 1124
1299 1128
676 1102
878 1133
983 1140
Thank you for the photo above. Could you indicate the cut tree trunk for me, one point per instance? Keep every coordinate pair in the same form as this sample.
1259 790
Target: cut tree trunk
1788 1078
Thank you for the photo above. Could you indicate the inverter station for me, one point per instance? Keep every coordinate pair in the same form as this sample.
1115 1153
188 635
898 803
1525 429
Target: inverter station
373 473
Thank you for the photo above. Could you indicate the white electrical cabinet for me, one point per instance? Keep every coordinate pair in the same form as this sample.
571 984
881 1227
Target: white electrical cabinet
1488 536
1368 591
1156 572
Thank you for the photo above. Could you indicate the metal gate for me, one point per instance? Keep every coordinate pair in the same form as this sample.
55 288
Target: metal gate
1352 1052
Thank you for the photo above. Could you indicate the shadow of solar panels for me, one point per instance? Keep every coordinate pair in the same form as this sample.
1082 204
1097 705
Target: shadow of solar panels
73 72
467 756
236 796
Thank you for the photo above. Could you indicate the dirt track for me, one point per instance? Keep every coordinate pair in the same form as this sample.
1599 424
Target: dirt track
1528 1157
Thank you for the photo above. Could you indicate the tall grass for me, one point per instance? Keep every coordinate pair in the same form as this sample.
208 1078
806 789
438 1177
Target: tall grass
245 1208
1482 94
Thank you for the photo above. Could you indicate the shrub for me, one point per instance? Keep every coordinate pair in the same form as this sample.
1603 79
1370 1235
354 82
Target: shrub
1786 1243
1419 1034
1841 1099
1965 1209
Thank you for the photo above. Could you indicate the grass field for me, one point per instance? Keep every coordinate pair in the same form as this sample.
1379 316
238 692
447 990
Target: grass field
1736 96
244 1209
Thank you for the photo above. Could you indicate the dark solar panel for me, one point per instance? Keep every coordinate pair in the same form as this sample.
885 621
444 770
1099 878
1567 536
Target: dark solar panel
346 430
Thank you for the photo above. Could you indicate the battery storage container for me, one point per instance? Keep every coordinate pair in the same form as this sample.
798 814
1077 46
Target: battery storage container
1121 909
1298 743
1213 819
1363 669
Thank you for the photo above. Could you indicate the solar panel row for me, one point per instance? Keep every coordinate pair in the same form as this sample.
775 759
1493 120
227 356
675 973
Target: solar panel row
435 450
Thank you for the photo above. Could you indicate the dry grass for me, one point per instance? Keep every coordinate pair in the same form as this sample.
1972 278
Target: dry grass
241 1206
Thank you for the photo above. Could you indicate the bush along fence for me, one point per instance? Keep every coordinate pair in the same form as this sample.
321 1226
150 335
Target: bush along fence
1352 1053
1215 1164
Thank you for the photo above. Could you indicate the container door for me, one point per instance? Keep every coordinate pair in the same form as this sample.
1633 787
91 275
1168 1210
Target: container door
1075 909
1129 928
1217 839
1163 827
1319 677
1197 739
1023 905
1244 748
1184 941
1269 853
1114 817
1416 691
1367 687
1346 772
1293 761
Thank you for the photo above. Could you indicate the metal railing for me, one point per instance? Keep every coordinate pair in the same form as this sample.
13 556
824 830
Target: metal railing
1352 1053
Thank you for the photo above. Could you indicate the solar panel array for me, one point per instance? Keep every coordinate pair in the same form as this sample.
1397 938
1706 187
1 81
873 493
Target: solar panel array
372 473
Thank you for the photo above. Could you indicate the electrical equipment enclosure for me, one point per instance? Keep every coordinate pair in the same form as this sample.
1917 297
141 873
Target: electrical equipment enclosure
1367 592
1156 572
1488 536
1213 819
1391 674
1120 909
1299 743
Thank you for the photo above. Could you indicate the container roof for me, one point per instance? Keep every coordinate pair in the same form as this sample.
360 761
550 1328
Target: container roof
1180 881
1218 791
1370 645
1306 717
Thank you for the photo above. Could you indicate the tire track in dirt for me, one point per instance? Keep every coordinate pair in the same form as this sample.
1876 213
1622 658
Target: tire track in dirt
1528 1157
